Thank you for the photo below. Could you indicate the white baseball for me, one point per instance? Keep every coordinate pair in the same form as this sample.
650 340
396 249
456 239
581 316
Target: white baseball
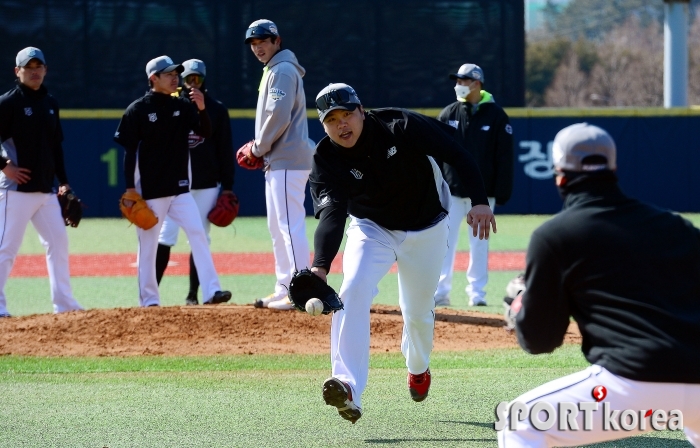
314 306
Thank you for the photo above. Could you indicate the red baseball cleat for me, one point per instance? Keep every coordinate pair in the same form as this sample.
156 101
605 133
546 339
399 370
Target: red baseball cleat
419 385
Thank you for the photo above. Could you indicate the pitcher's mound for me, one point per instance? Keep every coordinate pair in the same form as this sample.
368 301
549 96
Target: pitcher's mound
230 329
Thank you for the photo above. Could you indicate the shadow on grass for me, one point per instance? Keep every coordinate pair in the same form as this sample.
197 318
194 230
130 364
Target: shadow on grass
454 318
480 424
641 442
378 441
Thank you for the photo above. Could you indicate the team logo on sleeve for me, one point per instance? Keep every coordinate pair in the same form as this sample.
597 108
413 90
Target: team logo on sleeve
176 113
391 151
276 94
485 128
28 111
152 117
454 123
509 129
51 111
355 172
325 200
194 140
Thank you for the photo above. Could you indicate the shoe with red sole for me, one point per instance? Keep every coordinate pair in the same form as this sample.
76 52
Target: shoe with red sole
339 394
419 385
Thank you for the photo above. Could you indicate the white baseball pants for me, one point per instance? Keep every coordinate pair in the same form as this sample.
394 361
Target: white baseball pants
43 210
370 251
477 271
622 394
284 196
205 199
183 211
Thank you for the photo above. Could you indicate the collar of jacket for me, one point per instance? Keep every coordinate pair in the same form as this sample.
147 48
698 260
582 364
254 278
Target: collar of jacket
157 96
486 97
41 92
585 186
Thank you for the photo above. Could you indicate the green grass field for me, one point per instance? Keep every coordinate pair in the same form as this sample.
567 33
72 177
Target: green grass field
258 400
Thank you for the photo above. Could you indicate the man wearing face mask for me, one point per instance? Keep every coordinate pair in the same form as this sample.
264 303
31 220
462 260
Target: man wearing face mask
482 127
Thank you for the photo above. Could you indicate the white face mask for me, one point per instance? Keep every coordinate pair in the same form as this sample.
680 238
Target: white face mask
462 91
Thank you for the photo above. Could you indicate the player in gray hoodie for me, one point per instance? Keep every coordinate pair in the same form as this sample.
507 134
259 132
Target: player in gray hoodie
282 139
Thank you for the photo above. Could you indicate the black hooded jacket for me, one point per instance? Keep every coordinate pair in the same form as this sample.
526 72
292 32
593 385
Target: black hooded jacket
212 158
628 273
31 136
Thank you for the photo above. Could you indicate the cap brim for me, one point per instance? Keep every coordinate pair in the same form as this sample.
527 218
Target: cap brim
186 73
176 67
258 36
458 76
27 61
348 106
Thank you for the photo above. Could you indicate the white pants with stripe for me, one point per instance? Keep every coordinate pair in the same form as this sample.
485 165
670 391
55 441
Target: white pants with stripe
182 209
370 251
622 394
284 197
477 271
205 199
17 209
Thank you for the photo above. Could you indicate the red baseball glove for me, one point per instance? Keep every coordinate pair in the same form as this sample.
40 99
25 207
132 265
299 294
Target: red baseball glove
225 210
246 159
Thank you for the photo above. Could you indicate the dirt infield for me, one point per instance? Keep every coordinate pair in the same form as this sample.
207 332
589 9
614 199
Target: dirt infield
230 329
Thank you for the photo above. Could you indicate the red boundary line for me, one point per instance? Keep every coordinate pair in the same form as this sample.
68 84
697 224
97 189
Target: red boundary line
116 265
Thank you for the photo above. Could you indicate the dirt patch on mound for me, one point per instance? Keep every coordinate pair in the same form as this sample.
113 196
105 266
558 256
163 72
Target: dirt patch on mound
230 329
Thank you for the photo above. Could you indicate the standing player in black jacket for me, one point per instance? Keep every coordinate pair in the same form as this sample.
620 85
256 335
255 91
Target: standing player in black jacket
482 127
378 167
629 274
211 162
31 158
154 132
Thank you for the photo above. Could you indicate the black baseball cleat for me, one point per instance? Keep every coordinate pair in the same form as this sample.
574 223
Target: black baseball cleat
219 297
5 315
191 299
419 385
339 394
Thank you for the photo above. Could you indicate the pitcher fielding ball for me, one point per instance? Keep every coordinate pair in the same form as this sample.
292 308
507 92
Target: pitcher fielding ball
314 306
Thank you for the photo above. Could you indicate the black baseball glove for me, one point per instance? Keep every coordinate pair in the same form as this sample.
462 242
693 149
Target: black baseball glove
306 285
71 208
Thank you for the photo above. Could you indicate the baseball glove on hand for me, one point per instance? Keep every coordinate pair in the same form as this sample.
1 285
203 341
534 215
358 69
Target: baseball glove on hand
137 211
246 159
225 210
512 300
306 285
71 208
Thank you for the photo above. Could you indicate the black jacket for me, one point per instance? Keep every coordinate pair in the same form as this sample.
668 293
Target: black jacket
386 177
31 136
628 273
156 128
488 136
212 158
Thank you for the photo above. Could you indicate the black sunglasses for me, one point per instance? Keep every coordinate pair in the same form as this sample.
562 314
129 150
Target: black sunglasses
192 79
332 98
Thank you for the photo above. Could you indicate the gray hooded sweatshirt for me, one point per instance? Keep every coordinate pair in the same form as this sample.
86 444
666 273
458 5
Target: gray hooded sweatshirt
281 126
